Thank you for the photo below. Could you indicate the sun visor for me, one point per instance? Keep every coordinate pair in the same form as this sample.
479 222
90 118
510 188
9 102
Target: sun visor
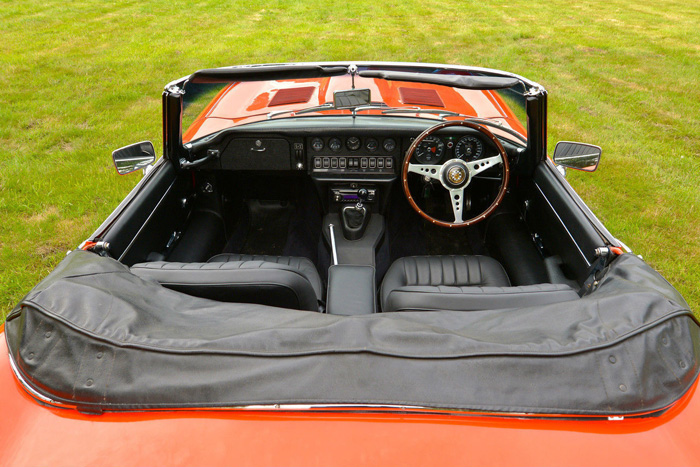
479 83
265 72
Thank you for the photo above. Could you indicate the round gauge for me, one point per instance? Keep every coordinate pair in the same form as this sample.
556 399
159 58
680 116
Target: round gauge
335 144
389 145
317 144
353 143
469 148
430 150
371 144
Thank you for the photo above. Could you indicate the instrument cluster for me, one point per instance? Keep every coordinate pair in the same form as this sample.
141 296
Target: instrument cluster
437 149
353 143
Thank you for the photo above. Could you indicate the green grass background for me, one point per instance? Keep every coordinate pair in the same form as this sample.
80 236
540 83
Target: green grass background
79 79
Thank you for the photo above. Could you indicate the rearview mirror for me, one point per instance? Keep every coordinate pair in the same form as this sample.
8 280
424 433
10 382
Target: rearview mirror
579 156
134 157
351 98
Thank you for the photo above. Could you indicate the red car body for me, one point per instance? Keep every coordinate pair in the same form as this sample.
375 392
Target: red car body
34 434
37 430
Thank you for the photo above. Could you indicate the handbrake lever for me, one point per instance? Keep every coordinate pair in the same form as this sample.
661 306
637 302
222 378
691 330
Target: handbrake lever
334 252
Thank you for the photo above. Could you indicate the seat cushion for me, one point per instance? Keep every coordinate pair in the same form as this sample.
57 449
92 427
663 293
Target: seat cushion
287 283
462 283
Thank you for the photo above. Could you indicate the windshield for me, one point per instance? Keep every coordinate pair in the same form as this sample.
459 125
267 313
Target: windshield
210 107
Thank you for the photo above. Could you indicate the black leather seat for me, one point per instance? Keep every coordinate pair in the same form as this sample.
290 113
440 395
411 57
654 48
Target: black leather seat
464 283
282 281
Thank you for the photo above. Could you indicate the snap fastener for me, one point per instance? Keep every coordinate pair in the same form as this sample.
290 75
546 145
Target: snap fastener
612 359
89 382
99 355
623 388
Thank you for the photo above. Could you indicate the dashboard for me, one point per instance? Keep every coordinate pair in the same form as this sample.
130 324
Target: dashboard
342 156
340 146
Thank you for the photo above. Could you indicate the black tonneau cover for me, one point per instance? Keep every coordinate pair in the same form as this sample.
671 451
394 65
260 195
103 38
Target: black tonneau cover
95 335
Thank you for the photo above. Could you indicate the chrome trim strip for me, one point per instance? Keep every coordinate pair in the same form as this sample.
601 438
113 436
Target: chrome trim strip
143 226
26 385
588 263
104 227
330 406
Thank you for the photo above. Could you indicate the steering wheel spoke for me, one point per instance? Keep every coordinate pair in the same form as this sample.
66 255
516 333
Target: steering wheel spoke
430 171
479 165
457 199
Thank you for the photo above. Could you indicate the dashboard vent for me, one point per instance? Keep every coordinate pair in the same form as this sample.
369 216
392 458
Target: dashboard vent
420 97
292 96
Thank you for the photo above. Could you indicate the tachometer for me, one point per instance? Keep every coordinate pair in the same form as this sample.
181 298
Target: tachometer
469 148
430 150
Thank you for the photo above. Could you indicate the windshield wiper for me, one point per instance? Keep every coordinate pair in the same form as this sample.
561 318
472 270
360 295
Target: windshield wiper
499 125
326 106
399 110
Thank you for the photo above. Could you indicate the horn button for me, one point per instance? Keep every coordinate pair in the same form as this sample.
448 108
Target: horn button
455 174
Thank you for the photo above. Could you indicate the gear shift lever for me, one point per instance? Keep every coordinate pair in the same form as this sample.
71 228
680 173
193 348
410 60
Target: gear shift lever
362 195
355 218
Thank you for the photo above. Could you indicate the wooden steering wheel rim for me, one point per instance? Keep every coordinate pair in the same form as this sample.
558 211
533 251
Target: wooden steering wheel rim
504 181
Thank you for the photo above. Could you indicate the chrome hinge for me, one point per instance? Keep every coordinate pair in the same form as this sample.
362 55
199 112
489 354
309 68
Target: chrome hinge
533 91
175 90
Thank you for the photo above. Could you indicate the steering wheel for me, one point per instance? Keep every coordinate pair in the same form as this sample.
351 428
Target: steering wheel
455 175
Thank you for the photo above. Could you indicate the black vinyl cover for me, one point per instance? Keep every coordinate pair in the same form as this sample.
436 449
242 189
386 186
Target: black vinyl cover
95 335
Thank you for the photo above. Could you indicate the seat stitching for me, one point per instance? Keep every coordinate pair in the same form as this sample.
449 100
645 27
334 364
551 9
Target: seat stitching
430 273
405 272
455 269
482 276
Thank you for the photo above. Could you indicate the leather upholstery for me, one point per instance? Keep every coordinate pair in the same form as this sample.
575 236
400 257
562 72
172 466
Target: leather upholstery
287 282
303 265
464 283
351 290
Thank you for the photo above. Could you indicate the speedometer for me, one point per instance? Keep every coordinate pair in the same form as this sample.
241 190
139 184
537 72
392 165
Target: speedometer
469 148
430 150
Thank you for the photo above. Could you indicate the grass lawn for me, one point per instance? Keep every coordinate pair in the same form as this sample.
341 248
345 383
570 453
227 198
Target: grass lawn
82 78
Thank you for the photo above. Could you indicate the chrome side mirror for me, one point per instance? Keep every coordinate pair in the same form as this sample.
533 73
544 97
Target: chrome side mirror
134 157
579 156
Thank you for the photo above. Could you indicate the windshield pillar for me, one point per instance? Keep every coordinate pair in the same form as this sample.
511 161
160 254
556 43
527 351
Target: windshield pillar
172 119
536 109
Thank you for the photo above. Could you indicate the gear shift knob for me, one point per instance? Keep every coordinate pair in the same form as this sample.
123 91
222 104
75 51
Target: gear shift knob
355 218
362 194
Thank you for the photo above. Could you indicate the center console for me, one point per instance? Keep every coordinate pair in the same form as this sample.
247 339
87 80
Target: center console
353 175
341 165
